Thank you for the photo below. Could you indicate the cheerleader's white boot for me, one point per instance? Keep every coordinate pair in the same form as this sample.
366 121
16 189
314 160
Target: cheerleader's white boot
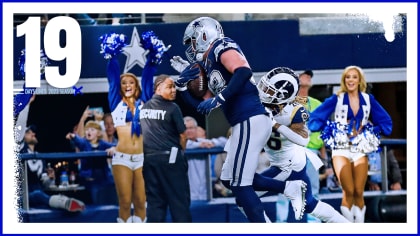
359 214
328 214
119 220
129 220
137 219
347 213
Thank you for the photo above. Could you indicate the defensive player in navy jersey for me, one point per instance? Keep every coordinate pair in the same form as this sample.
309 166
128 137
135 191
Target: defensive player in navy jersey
230 81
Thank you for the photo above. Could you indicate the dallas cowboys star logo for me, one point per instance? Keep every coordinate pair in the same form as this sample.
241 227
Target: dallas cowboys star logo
196 24
136 55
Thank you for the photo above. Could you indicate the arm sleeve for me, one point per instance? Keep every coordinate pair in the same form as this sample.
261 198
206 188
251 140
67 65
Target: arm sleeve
189 99
178 119
113 75
239 77
380 116
147 81
79 142
292 136
318 118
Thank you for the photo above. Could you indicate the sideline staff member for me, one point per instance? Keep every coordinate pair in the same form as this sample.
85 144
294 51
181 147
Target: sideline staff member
165 167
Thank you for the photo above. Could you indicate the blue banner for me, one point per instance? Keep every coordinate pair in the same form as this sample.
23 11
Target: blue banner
266 44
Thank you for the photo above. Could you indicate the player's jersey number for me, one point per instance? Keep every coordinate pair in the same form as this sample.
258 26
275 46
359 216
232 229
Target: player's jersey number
274 142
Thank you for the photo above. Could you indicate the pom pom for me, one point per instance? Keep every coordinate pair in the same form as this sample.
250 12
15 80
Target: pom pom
43 60
367 141
334 135
156 47
112 44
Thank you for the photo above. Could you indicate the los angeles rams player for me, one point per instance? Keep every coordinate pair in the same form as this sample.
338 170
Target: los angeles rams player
286 147
231 82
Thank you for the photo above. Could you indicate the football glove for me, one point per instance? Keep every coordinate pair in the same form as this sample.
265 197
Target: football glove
205 107
186 76
179 64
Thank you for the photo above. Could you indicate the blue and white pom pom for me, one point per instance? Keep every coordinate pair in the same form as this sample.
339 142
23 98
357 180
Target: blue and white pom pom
43 63
156 47
112 44
367 141
334 135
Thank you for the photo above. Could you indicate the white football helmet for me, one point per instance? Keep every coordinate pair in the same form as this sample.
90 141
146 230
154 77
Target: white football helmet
199 35
278 86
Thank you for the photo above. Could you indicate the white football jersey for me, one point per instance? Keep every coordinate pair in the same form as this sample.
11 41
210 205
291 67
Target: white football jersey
282 152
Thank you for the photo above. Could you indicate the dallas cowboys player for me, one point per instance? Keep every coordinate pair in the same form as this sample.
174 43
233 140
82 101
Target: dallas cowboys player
286 147
230 80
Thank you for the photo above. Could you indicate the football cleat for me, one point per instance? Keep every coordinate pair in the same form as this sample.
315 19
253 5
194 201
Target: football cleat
295 191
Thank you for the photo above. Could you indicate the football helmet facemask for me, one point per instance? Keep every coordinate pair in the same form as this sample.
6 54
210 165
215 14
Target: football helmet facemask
199 35
278 86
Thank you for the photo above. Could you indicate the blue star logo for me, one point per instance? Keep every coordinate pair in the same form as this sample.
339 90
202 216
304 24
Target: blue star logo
136 55
196 24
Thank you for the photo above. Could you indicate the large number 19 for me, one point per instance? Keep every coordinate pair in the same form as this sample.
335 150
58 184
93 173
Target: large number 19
71 52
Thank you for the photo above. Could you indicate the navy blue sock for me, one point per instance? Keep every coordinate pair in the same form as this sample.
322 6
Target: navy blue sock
251 203
262 183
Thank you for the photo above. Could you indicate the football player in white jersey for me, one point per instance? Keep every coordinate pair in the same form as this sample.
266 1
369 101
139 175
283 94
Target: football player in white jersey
286 147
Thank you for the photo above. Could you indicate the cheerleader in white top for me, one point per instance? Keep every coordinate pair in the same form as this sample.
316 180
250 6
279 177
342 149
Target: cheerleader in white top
353 132
125 101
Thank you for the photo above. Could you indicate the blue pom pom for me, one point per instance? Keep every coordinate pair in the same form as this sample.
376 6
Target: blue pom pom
43 63
156 47
375 130
112 44
334 135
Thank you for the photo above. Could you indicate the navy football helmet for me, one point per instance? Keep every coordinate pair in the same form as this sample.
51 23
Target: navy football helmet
278 86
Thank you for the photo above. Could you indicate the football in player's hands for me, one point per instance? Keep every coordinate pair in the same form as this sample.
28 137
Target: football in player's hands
198 87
